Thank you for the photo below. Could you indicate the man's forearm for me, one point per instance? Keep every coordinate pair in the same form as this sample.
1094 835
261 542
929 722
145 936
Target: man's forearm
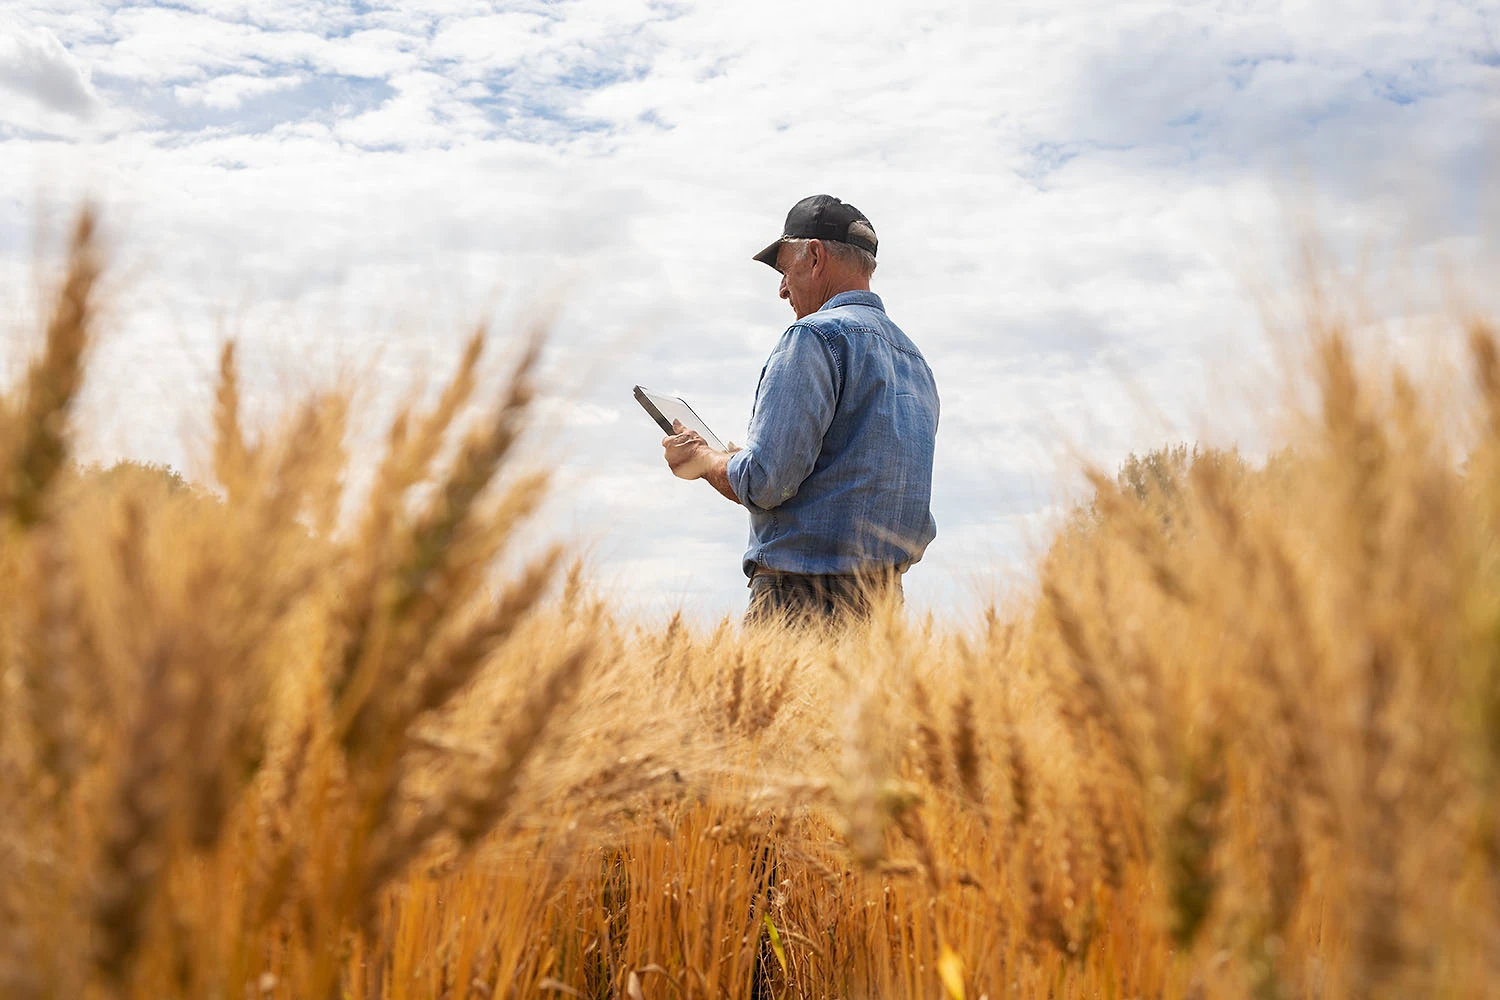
718 477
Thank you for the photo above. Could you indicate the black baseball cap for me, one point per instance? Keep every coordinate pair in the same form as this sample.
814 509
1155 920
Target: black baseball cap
821 217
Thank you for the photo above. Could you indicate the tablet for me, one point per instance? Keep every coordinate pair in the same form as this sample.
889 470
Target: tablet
664 409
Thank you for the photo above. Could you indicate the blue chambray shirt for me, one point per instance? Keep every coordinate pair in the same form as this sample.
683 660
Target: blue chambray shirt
837 471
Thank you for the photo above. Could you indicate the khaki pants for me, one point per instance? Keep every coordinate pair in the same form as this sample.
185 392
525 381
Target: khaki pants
831 599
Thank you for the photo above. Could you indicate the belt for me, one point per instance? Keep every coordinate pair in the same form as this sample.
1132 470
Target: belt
758 571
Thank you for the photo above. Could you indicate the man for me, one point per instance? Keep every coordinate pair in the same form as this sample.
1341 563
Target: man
837 471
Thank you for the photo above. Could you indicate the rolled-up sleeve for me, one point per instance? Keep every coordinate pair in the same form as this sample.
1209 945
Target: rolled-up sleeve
794 404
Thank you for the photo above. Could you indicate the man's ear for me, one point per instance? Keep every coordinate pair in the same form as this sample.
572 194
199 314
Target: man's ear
817 256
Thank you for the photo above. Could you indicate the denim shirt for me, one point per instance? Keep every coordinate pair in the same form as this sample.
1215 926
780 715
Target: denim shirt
837 469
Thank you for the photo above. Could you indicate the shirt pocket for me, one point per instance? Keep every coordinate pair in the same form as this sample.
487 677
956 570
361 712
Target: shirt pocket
755 403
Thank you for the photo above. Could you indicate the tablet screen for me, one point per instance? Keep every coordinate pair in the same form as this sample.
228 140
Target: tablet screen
665 409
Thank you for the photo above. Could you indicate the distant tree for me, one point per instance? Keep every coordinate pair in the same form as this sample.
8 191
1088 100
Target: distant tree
1156 478
1159 478
149 481
132 473
1160 481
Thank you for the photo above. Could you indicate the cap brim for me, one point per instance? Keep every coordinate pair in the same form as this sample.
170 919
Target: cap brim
768 255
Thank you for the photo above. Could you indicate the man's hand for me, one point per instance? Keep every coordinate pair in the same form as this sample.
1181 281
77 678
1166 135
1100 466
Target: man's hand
690 457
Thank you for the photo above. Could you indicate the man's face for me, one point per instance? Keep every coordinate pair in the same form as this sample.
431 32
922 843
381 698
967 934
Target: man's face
795 263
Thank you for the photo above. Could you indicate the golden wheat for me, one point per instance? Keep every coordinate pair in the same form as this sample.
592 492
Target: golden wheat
1243 741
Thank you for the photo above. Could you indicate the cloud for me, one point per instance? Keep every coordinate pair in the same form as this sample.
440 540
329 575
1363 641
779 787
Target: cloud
232 89
34 65
1069 197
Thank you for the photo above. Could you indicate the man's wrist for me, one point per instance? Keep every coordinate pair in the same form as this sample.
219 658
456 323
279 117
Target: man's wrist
718 476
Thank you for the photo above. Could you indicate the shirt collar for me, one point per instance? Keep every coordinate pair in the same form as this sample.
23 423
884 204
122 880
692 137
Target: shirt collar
855 298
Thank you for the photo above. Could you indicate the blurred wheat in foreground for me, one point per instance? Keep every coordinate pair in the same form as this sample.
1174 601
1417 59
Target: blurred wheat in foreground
1244 741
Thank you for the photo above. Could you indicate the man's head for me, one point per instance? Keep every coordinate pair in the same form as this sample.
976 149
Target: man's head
826 247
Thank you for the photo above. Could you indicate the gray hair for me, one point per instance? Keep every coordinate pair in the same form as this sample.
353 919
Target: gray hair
862 261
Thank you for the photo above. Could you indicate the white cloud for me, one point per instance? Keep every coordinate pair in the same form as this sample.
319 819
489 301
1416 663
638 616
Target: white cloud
491 41
38 70
1068 196
232 89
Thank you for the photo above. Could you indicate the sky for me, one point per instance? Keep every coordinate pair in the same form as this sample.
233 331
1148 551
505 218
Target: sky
1080 206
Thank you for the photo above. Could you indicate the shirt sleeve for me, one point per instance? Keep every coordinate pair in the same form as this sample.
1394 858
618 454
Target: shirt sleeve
794 405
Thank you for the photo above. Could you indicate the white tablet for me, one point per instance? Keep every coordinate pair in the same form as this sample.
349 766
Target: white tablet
665 409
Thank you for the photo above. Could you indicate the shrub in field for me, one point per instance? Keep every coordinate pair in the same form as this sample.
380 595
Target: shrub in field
1242 740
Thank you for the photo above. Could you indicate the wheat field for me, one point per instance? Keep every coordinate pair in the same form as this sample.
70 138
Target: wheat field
262 739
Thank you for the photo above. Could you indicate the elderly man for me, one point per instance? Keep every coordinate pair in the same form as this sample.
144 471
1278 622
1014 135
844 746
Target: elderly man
837 470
